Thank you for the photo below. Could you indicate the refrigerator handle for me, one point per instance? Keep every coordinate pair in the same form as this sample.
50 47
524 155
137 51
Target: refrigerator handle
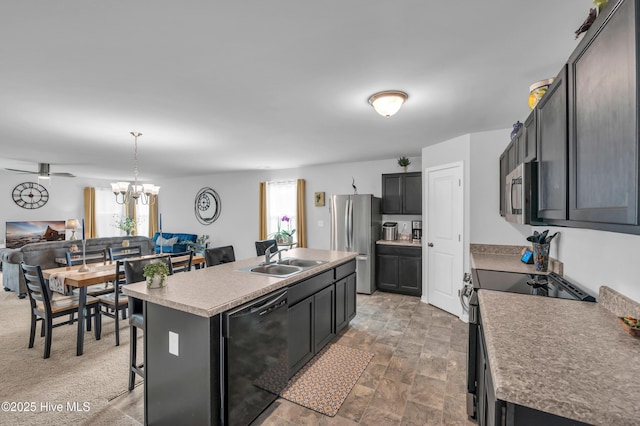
349 219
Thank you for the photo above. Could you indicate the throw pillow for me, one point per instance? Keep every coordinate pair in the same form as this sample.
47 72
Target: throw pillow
166 241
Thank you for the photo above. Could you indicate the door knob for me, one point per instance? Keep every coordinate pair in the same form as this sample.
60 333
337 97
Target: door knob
430 244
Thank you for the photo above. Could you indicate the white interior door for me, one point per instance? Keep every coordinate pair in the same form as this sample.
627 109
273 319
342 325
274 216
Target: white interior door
445 224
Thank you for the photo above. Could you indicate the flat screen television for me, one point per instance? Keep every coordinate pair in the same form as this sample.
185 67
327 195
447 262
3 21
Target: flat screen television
20 233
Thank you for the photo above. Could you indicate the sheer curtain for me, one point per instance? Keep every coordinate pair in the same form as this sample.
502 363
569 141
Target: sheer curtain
107 211
281 201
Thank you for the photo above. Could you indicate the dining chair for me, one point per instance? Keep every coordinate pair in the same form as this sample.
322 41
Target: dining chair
90 256
117 253
134 272
182 262
219 255
263 245
45 308
114 304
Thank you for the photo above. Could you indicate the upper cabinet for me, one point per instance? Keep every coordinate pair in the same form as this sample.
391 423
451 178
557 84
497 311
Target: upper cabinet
530 138
402 193
603 122
552 150
585 132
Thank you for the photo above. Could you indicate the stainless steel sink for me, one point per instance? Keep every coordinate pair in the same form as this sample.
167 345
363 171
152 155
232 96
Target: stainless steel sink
276 270
284 268
303 263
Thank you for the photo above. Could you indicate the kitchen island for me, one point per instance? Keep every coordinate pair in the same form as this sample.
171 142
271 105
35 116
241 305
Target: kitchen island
556 361
184 345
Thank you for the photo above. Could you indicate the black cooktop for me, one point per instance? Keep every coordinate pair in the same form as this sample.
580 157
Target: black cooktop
551 285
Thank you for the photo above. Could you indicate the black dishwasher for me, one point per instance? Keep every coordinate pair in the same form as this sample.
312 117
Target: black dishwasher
254 357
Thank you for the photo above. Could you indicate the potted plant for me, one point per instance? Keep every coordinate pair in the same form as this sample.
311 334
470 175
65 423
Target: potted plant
156 274
404 162
126 224
283 236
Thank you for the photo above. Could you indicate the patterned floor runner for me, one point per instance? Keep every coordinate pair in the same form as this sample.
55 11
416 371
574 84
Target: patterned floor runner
324 382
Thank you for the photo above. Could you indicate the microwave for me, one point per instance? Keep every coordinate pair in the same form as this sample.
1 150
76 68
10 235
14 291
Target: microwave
521 195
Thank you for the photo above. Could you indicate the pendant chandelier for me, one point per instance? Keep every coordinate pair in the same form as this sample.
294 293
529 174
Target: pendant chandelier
133 191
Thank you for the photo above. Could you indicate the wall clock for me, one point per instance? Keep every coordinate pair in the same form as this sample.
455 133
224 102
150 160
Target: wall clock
207 206
30 195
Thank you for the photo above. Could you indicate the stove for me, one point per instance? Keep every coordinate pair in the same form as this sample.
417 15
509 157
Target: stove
551 285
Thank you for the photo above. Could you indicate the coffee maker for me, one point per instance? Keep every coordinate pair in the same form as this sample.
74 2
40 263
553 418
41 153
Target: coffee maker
416 230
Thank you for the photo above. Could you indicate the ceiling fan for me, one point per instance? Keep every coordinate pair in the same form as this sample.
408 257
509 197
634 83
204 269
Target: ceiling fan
43 172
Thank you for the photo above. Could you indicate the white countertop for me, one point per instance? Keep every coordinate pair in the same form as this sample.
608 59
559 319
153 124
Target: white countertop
210 291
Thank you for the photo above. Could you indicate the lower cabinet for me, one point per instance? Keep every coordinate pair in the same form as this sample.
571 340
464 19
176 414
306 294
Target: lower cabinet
319 307
345 301
399 269
300 334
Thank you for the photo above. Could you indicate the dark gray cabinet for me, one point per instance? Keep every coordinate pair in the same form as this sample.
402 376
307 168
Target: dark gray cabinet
530 137
345 301
324 317
603 131
399 269
301 339
319 307
552 150
503 179
402 193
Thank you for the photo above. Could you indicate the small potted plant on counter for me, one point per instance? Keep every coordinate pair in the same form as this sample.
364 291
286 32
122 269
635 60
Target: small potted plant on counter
284 236
156 274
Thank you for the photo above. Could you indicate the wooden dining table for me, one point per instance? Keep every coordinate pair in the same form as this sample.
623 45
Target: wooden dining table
99 273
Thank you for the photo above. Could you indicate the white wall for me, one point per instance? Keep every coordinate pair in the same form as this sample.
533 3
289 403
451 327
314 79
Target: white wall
596 258
591 258
238 222
65 199
487 226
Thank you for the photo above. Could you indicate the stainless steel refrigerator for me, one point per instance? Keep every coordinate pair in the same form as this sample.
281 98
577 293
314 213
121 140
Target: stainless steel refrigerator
355 226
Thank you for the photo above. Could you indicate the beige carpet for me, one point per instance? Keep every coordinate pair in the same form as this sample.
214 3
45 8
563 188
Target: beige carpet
325 382
45 386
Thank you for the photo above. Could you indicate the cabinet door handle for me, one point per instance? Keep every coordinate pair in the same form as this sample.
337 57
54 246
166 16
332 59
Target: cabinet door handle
430 244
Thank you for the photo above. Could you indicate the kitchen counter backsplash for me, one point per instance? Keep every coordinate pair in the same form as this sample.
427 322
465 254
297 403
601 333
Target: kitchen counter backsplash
495 249
618 303
506 258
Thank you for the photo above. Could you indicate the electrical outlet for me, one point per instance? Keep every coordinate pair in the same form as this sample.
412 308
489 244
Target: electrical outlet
174 345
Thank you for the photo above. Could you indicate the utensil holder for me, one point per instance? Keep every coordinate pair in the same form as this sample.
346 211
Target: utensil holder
541 256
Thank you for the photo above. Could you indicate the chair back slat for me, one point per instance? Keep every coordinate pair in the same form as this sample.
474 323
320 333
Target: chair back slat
117 253
219 255
37 288
90 256
134 268
182 262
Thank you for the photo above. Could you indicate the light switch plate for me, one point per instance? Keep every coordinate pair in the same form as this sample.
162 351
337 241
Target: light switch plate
174 343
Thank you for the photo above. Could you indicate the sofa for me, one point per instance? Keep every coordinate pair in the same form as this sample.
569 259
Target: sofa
45 254
172 242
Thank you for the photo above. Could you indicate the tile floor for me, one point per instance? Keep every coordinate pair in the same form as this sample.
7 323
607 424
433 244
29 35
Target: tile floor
417 376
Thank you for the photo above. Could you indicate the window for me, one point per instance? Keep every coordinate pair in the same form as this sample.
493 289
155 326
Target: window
281 201
107 211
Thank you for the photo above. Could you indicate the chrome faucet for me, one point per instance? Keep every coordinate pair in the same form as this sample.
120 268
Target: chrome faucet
268 255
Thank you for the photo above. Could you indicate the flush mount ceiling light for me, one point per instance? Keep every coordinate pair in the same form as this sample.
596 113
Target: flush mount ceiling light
388 102
133 191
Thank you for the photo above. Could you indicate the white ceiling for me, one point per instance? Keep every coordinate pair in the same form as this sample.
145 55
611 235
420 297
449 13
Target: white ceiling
252 84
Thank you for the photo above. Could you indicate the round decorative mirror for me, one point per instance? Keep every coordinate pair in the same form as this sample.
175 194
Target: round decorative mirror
207 206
